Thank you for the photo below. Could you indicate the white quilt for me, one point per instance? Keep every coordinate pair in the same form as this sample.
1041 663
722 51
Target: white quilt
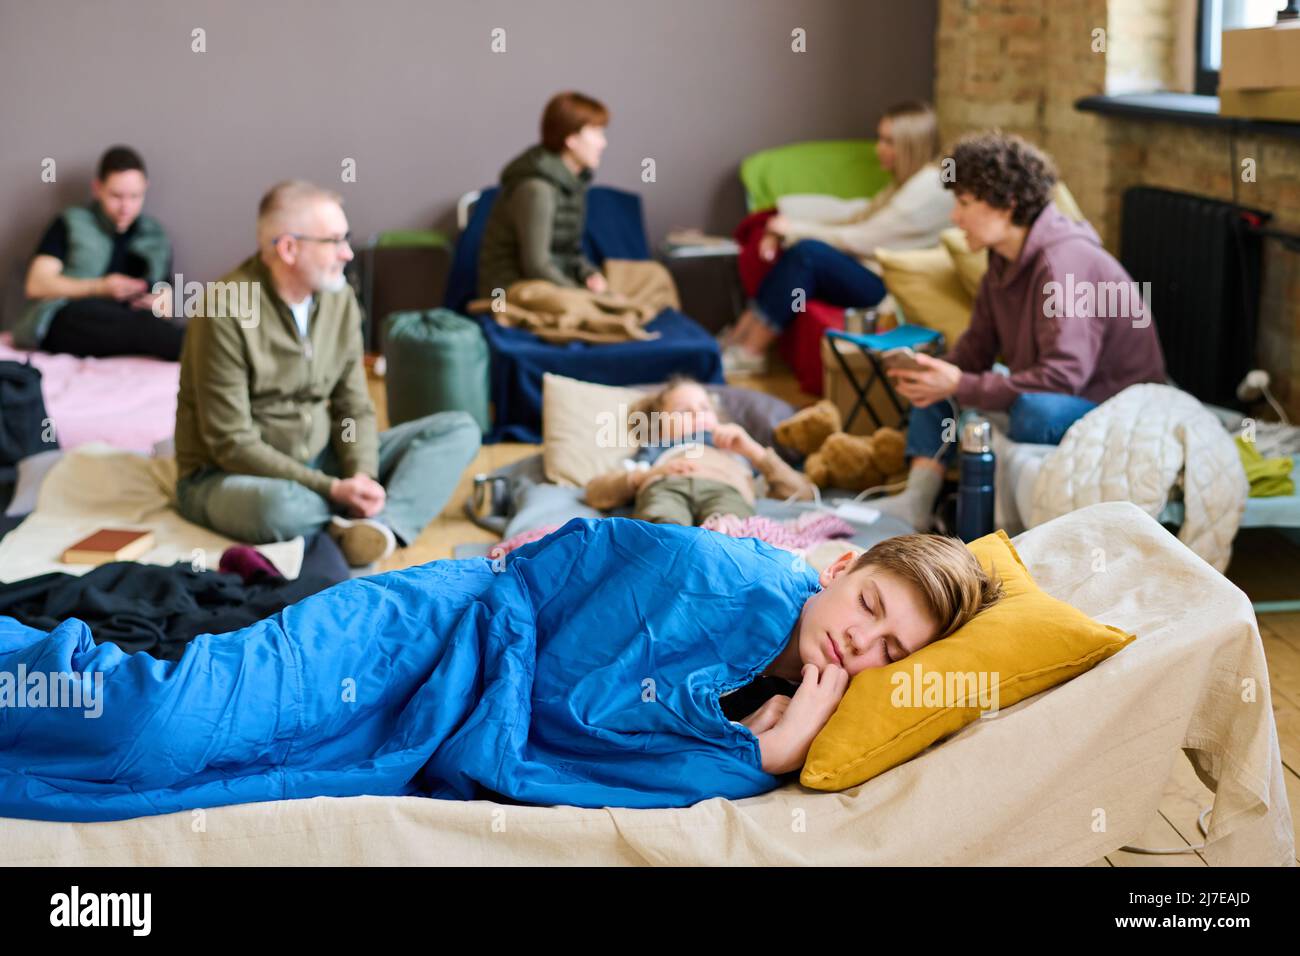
1138 447
95 486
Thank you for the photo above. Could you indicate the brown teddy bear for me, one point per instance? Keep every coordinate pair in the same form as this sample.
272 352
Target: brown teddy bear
805 431
836 459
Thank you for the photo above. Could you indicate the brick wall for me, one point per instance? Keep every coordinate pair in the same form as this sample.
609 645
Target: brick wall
1022 64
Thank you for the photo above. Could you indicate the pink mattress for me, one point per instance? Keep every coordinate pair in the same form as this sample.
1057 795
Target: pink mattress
128 402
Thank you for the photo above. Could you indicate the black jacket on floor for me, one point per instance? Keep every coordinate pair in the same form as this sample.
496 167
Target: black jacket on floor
159 610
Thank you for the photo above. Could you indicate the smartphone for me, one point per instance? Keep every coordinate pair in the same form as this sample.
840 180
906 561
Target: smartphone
903 358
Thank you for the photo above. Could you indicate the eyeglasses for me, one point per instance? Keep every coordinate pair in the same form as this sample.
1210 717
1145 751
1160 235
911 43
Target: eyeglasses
346 240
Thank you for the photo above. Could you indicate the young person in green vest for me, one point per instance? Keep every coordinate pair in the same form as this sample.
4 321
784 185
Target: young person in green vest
89 285
535 228
275 430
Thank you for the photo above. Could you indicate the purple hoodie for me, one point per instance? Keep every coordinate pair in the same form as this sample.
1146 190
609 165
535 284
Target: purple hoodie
1064 317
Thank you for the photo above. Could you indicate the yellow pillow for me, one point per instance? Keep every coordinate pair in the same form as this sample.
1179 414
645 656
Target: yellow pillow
1024 644
585 429
925 285
971 266
1065 202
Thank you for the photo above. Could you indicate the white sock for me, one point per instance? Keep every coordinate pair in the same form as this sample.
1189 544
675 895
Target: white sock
915 503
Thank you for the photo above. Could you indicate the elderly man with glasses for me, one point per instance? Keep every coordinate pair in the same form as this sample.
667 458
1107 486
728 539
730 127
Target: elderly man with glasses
275 430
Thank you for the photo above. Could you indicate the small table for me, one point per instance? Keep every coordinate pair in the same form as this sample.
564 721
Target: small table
915 337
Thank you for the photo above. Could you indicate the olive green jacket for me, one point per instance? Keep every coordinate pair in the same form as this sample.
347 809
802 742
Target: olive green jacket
258 399
534 230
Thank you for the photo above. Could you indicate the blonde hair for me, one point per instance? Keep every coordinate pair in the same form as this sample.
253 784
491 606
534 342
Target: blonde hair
282 203
953 585
916 142
654 402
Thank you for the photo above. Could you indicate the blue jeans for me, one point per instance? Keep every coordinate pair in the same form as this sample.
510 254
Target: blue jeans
1038 418
420 463
823 273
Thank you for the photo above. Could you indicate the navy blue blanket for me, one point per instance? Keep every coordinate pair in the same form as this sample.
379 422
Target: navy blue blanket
614 230
585 669
520 359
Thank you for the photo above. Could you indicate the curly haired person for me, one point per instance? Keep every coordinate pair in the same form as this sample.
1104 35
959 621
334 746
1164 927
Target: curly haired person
1059 312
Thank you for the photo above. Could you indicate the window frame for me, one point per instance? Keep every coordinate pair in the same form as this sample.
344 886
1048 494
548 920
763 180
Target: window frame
1207 80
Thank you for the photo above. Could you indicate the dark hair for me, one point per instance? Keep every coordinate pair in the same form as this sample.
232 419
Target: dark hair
567 113
119 159
1004 171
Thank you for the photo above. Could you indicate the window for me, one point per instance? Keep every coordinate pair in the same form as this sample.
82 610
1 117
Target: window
1217 16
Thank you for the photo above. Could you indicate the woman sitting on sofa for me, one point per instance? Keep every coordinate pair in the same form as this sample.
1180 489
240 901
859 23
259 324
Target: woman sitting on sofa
833 262
535 228
1062 314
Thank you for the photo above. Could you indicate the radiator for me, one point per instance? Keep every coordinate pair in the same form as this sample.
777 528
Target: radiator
1203 260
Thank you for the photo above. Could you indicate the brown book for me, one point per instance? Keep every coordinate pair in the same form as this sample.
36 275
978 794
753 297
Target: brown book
109 544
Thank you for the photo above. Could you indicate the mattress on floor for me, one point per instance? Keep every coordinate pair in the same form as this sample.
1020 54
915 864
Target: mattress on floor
1021 788
127 402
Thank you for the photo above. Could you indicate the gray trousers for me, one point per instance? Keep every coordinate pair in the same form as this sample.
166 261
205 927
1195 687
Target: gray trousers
420 463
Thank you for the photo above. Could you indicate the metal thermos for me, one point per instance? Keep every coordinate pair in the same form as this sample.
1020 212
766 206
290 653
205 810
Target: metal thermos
490 496
975 491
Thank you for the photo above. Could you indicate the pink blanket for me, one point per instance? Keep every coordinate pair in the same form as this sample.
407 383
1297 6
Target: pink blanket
797 534
130 403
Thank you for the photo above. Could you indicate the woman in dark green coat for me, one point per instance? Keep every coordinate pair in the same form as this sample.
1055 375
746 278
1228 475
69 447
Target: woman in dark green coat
535 228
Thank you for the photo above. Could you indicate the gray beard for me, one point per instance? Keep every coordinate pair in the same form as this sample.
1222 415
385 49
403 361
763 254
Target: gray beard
334 285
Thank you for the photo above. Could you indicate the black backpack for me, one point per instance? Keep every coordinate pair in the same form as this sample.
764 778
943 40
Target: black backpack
22 416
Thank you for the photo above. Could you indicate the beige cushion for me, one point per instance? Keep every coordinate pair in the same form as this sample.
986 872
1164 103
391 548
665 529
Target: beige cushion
584 428
971 266
1064 200
927 288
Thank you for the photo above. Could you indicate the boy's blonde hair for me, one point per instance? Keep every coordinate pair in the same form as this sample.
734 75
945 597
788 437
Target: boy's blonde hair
953 585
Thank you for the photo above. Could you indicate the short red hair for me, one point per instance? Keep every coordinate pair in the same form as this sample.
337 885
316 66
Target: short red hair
567 113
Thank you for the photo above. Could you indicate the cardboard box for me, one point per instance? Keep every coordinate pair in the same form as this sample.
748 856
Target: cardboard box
836 387
1260 59
1281 105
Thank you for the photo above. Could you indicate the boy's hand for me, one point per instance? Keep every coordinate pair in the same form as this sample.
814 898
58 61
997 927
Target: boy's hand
817 697
732 437
767 716
784 746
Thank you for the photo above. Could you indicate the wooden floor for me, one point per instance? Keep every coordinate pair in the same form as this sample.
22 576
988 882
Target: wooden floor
1265 565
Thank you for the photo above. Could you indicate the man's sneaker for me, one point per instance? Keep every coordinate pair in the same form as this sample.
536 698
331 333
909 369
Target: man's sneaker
741 361
363 541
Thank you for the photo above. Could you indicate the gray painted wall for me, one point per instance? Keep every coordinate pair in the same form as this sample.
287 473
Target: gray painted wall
413 93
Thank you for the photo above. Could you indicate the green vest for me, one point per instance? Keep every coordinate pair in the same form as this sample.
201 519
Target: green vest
499 262
90 249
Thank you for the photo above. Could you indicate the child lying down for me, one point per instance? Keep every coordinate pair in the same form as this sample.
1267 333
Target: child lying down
699 465
600 666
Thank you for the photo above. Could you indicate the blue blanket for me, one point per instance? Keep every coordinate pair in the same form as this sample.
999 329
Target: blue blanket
585 669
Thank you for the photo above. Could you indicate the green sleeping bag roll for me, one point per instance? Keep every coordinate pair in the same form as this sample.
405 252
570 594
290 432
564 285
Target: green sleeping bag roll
437 362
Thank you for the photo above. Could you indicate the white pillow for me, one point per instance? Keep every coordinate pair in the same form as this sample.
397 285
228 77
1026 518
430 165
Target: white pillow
31 473
584 428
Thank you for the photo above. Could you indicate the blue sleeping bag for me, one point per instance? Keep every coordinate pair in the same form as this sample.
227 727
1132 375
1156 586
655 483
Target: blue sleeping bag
584 669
